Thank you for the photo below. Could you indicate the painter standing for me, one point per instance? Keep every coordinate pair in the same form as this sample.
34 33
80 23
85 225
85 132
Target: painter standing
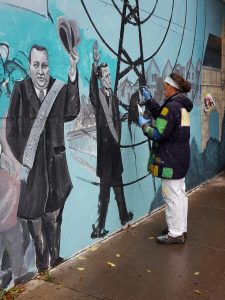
170 154
39 107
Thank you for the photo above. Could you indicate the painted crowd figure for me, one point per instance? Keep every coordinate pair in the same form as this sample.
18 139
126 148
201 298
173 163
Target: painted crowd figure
46 184
109 161
12 243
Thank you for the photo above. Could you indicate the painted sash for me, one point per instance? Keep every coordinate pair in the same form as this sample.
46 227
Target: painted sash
38 126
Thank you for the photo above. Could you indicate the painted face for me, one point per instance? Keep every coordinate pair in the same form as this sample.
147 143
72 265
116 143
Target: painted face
39 69
106 78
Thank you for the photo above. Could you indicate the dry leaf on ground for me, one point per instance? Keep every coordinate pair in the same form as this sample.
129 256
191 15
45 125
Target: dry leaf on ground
198 292
111 264
196 273
93 248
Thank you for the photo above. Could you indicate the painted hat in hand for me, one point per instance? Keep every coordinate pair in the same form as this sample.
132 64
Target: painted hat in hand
68 32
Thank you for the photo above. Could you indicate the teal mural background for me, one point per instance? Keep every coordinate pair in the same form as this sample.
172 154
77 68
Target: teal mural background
21 29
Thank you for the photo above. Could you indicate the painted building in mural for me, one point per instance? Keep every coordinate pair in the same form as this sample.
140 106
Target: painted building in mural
57 46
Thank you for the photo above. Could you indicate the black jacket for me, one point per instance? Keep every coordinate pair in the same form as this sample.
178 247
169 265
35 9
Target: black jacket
170 155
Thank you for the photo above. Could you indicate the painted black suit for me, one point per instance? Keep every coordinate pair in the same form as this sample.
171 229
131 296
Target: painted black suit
109 161
49 183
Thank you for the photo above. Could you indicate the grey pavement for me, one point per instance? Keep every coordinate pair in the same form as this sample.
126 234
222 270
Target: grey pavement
131 265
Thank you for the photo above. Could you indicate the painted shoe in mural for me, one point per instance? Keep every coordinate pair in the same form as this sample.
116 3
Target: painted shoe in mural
24 278
57 262
128 218
98 233
167 239
165 231
42 270
5 279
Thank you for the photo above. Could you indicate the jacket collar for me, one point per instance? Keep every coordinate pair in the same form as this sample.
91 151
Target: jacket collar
171 97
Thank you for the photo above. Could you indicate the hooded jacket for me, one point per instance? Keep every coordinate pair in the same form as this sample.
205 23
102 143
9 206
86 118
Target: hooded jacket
170 154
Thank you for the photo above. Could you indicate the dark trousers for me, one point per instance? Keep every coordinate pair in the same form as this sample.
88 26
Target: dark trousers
103 201
45 233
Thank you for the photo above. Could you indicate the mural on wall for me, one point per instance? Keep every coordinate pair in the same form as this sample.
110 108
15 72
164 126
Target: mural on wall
204 165
84 136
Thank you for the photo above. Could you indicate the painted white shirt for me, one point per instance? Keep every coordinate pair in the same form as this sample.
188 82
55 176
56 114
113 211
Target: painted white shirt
38 91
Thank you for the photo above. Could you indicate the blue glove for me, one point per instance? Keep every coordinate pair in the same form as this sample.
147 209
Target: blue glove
142 121
146 93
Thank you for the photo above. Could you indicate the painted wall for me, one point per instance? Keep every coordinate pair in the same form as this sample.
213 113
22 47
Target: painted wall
174 37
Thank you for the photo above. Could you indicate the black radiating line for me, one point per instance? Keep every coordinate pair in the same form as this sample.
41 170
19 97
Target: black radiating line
182 38
203 48
149 16
121 146
124 184
192 52
116 7
101 37
168 27
133 145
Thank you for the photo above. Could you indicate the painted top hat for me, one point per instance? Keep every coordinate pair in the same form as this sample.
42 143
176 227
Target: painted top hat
68 32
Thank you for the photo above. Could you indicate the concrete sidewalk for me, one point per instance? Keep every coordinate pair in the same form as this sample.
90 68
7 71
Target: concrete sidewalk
131 265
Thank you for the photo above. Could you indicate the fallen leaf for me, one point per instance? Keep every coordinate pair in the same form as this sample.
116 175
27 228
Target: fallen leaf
148 271
151 237
198 292
117 255
80 269
82 258
93 248
111 264
196 273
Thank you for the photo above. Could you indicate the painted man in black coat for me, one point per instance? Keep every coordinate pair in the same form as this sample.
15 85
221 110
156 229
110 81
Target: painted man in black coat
48 184
109 161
